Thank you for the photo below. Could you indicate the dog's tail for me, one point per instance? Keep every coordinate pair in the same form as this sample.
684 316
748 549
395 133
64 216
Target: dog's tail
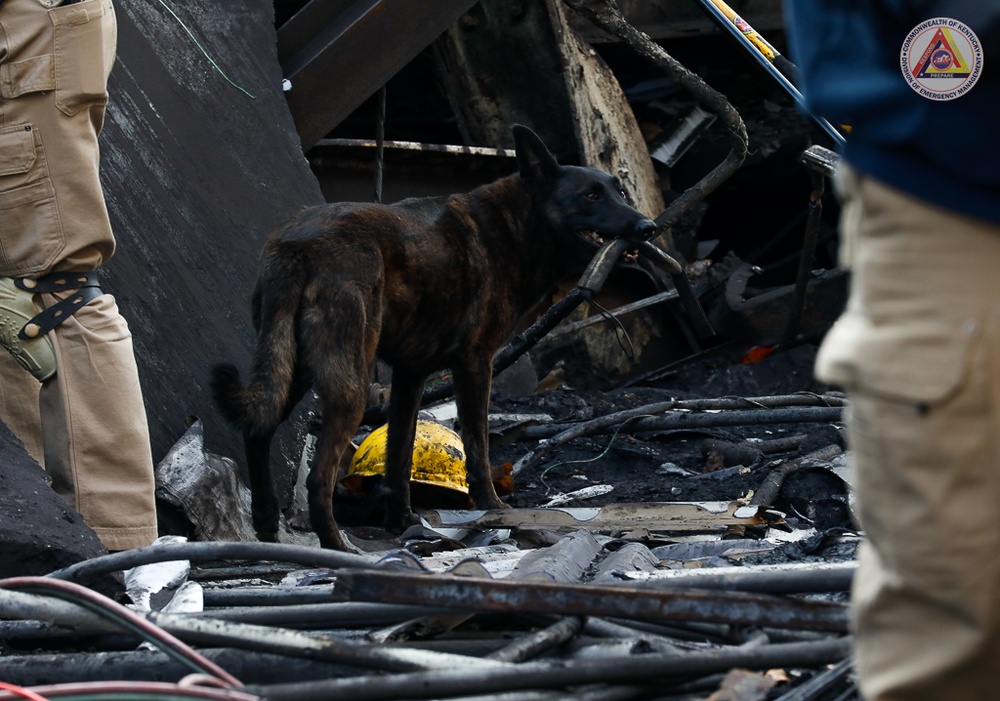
260 405
229 394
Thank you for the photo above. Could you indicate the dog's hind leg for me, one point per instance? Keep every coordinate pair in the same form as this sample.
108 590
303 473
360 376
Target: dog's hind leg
338 429
342 392
340 330
472 394
404 404
264 499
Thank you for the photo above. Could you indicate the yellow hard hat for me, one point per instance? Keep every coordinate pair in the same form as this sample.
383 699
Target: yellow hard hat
438 458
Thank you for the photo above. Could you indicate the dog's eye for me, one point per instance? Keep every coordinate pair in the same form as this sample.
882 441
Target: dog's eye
592 196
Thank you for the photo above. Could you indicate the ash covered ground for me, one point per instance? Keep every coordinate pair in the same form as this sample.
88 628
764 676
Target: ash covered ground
680 465
670 465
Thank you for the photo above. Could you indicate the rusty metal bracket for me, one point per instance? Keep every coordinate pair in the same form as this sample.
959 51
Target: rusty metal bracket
821 164
821 160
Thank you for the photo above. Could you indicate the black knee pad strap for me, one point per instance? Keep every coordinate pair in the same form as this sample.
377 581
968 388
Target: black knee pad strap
86 288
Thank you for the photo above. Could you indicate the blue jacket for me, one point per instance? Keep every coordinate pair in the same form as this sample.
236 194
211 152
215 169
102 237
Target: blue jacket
848 56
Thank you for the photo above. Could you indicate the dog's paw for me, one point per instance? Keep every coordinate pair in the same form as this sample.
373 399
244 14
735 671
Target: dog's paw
267 536
335 540
492 504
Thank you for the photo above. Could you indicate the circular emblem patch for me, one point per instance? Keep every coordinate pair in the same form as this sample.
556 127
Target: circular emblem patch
941 59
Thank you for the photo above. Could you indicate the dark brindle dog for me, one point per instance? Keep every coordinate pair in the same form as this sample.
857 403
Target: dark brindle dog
426 284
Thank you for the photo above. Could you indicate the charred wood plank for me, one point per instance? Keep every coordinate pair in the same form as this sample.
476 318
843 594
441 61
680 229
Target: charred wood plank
584 599
668 517
755 417
606 15
553 436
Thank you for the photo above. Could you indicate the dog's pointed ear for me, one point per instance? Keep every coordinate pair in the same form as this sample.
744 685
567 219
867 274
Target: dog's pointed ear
534 161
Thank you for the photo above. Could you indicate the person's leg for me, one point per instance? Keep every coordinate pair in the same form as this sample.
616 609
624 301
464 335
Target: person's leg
53 74
95 431
917 349
19 405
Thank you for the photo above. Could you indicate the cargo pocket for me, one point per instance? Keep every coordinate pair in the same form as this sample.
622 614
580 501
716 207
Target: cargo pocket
920 361
34 74
85 35
31 235
922 433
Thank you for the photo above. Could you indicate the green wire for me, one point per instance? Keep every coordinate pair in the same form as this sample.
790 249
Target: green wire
198 44
596 457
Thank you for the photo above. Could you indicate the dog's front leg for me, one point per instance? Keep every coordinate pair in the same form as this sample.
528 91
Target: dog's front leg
404 404
472 393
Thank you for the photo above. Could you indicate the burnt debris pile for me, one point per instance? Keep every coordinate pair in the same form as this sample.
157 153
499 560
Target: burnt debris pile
681 518
655 600
658 547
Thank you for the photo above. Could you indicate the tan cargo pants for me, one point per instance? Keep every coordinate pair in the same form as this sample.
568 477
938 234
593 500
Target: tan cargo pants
918 348
54 64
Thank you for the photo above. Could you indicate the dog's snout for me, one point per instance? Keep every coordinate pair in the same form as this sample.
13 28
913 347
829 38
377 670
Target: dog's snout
645 229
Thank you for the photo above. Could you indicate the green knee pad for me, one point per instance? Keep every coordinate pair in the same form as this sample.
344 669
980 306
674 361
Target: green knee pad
36 355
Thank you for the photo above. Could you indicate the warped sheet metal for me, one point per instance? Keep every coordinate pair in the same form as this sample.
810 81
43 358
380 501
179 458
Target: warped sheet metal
670 517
